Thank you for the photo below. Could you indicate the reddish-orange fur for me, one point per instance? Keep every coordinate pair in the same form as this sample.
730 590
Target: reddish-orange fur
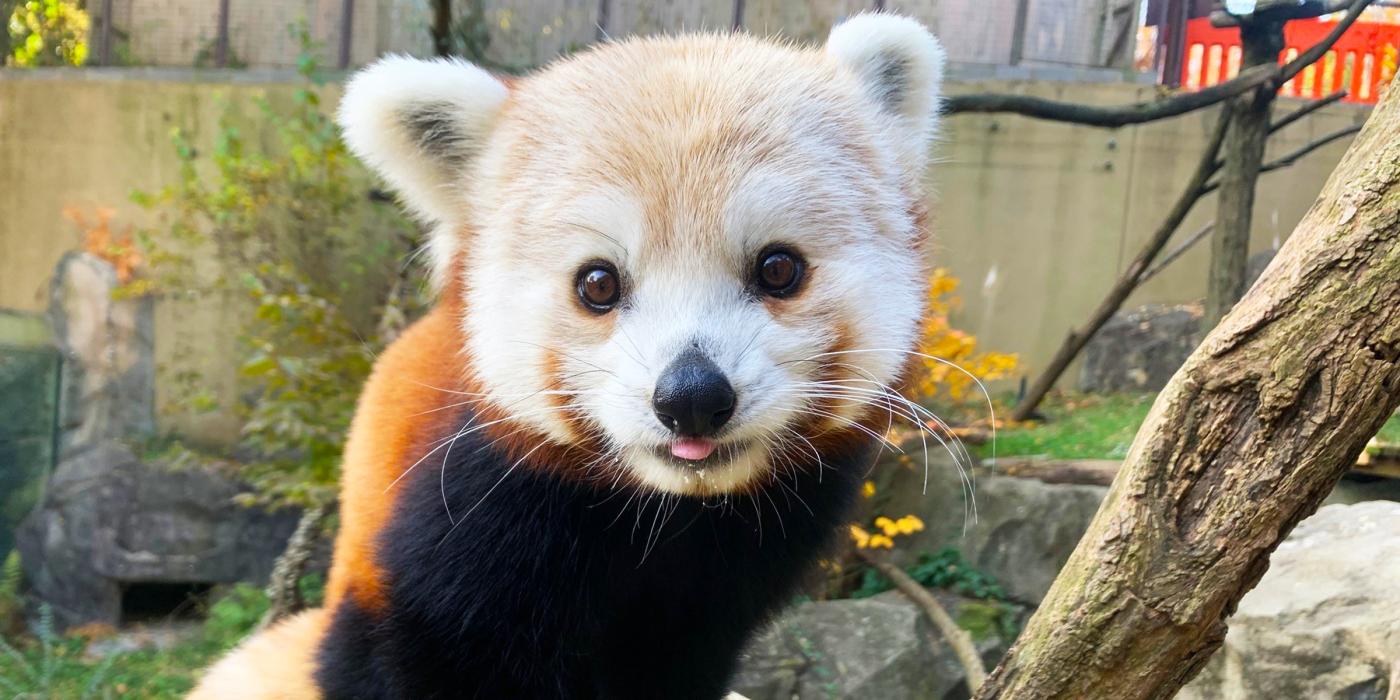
398 417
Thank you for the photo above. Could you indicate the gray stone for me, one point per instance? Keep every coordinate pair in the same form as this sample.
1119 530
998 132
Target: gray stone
108 521
1324 621
108 381
881 647
1021 532
1140 349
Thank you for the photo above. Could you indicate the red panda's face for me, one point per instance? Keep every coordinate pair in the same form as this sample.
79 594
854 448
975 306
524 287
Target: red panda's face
694 255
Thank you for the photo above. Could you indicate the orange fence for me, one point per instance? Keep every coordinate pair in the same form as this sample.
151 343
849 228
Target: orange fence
1362 61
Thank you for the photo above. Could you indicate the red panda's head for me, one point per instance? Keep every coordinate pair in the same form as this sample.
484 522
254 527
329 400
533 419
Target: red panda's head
694 254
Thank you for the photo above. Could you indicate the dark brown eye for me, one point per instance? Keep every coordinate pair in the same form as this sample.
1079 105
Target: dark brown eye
779 272
598 287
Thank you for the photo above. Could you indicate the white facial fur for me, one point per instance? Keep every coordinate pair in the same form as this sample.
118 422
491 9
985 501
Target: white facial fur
678 161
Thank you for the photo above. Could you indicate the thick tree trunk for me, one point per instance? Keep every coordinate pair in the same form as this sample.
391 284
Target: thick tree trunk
1244 154
1247 439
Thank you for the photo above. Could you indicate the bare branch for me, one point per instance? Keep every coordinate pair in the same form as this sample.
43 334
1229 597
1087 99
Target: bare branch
1129 280
957 637
283 591
1293 156
1177 252
1318 50
1112 117
1306 109
1268 77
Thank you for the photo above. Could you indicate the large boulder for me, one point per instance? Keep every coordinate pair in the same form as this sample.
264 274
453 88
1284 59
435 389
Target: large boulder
113 532
1140 349
108 346
881 647
1324 622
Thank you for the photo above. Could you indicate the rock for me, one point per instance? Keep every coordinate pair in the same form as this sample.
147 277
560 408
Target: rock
108 378
872 648
1023 530
1324 622
110 523
1139 350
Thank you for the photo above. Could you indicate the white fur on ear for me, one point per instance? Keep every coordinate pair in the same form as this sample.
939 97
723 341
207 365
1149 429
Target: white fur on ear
901 66
418 123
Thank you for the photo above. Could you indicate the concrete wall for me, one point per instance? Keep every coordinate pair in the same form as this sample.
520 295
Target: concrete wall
1036 218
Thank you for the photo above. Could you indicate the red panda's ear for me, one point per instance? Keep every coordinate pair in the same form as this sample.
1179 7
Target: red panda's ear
900 65
418 123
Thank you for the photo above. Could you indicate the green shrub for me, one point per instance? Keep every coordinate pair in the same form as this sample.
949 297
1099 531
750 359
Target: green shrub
287 234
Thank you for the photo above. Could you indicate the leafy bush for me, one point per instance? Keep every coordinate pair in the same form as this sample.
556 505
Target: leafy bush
311 262
958 365
47 33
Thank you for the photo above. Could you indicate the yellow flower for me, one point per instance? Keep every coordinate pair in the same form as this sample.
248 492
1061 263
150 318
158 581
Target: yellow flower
861 537
887 526
868 489
909 525
881 541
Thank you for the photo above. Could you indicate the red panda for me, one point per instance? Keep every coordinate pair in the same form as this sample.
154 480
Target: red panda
677 278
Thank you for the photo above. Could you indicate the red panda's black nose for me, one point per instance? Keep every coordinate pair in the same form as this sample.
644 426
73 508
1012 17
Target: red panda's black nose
692 396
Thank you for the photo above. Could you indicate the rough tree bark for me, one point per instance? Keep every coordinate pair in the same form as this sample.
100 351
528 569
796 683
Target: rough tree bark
1246 440
1244 154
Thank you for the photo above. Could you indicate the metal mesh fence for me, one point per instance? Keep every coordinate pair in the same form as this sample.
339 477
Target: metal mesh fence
518 34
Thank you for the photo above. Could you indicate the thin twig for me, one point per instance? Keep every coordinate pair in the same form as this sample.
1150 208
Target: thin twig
1294 156
958 638
1306 109
1177 252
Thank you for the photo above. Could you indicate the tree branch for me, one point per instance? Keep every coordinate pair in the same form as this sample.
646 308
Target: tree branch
1129 280
1306 109
1294 156
958 638
1248 438
1320 49
1111 117
283 587
1177 252
1267 77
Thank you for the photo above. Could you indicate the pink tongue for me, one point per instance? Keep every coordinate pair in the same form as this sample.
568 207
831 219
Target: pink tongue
692 448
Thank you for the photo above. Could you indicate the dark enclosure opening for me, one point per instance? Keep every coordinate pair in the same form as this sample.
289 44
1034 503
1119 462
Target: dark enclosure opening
157 601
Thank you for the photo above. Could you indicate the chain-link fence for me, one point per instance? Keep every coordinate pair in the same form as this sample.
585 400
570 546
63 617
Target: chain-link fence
519 34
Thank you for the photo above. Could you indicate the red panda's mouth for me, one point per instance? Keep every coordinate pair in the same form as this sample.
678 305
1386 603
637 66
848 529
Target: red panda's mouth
699 454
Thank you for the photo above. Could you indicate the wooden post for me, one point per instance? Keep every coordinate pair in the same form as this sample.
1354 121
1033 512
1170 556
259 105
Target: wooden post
347 30
221 42
1018 32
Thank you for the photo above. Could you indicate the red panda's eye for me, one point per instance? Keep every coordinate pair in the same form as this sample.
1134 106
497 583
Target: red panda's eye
598 287
779 272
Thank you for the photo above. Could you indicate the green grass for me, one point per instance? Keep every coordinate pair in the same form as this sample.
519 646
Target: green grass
47 666
1080 426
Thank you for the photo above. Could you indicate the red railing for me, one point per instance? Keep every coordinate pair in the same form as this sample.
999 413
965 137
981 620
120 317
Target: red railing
1362 61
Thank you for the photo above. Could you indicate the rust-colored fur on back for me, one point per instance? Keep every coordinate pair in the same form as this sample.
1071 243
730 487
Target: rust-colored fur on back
399 413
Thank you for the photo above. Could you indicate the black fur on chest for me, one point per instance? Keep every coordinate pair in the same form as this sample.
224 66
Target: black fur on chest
543 587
